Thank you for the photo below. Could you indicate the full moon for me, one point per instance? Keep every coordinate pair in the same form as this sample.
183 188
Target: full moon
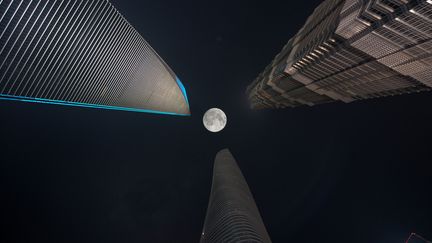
215 120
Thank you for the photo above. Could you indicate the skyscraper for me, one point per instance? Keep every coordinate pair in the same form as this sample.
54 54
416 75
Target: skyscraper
82 53
351 50
416 238
232 215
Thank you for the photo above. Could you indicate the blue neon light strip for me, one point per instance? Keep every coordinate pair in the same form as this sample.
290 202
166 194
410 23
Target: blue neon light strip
78 104
183 90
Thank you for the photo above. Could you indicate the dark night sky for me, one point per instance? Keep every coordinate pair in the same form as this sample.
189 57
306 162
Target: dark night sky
355 172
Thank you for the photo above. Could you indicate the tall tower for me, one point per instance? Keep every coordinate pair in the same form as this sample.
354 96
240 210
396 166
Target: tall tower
82 53
351 50
232 215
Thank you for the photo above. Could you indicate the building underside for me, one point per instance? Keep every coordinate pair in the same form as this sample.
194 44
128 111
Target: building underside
351 50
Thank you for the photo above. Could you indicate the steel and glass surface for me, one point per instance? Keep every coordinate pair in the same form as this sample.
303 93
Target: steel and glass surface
232 215
82 53
351 50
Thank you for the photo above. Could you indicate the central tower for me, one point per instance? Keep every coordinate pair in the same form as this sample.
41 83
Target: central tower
232 215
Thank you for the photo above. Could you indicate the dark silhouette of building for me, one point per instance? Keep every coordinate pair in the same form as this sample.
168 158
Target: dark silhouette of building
351 50
82 53
416 238
232 215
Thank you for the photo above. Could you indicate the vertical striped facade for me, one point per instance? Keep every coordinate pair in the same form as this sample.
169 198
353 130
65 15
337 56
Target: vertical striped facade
232 215
82 53
351 50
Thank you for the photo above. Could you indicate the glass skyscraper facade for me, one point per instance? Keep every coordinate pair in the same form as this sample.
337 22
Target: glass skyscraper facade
232 215
82 53
351 50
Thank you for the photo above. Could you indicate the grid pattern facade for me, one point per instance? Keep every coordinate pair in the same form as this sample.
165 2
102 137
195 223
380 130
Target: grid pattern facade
232 215
83 53
351 50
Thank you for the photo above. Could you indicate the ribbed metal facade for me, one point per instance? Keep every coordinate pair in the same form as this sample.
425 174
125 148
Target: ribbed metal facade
82 53
351 50
232 215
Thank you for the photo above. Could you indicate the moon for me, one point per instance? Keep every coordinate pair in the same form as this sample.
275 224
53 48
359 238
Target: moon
215 120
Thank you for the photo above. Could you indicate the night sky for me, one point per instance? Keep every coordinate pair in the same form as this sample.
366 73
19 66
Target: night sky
358 172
